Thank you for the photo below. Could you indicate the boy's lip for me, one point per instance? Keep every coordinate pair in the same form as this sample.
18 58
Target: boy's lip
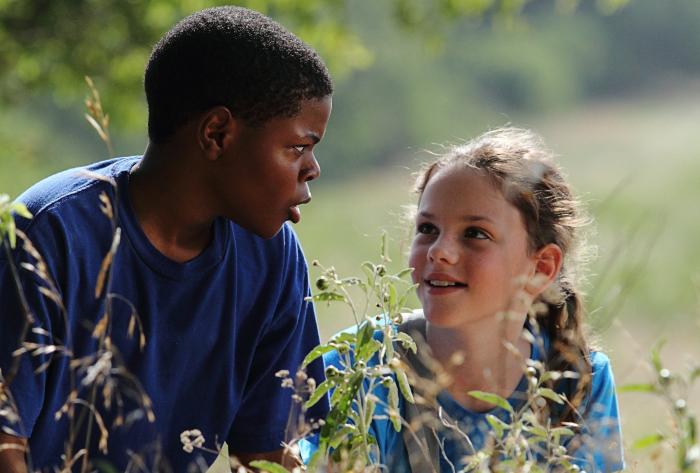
294 212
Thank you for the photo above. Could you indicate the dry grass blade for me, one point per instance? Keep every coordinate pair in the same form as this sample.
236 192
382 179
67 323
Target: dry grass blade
106 206
68 466
98 177
97 127
95 115
106 263
104 434
101 327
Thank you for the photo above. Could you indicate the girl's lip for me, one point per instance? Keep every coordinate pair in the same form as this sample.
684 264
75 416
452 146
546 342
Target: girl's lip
442 277
442 290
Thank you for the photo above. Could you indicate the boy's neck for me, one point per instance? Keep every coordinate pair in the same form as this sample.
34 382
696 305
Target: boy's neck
488 365
167 196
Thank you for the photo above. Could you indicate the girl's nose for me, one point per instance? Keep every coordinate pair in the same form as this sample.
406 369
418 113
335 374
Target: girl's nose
443 250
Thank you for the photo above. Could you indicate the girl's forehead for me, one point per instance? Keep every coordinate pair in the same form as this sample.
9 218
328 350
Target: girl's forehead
463 182
462 190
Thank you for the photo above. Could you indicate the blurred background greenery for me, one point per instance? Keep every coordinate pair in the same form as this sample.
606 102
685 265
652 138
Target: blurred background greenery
612 85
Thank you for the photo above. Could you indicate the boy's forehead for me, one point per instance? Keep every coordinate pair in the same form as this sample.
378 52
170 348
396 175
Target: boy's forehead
310 119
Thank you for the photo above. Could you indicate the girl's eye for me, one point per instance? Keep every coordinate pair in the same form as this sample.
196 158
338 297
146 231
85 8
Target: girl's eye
426 229
476 233
300 148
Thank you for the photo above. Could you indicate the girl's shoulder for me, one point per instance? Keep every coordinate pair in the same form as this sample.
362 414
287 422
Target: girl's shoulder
602 378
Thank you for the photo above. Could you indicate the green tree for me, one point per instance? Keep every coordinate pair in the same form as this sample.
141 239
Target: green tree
48 46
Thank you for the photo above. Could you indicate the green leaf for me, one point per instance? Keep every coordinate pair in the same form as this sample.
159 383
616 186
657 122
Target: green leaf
388 343
315 353
11 233
407 341
369 270
550 394
648 441
222 464
498 426
494 399
642 388
403 384
364 334
392 297
344 337
368 350
370 406
341 434
656 354
268 466
329 297
384 247
20 209
319 392
536 430
394 406
563 431
401 274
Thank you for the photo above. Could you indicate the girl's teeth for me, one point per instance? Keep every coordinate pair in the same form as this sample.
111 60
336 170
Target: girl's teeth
442 283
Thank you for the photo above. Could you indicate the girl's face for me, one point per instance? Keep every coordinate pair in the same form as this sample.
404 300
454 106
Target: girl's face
470 251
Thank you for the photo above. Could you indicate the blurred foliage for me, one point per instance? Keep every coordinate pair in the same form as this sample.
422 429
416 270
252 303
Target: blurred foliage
50 45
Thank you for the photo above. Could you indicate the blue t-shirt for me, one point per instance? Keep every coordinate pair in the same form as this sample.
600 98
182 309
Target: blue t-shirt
598 446
217 328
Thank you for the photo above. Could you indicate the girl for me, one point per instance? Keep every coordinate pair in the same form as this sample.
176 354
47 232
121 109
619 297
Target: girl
494 258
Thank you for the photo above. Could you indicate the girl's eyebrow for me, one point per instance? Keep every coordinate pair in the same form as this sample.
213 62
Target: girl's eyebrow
466 218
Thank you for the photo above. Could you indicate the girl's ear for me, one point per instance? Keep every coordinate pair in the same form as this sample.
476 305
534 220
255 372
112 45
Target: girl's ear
216 128
548 261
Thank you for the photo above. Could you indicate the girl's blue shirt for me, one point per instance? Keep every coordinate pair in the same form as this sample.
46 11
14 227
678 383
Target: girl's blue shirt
599 446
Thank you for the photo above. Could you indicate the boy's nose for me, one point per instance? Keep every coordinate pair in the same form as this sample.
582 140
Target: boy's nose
443 250
312 170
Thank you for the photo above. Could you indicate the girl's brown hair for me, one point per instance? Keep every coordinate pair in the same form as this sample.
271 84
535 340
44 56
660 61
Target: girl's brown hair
519 164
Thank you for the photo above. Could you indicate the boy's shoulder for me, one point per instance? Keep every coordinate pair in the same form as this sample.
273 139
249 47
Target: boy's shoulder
64 189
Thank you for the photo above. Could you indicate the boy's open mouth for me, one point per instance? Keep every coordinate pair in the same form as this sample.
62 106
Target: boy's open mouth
295 212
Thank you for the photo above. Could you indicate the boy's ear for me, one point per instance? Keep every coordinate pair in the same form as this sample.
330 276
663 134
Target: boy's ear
216 128
548 261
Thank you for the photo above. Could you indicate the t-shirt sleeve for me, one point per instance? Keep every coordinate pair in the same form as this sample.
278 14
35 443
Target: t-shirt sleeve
600 448
24 371
267 415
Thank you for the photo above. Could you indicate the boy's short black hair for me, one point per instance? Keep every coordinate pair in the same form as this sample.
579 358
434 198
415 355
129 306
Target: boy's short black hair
234 57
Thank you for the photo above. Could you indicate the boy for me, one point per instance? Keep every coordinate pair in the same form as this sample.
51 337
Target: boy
206 260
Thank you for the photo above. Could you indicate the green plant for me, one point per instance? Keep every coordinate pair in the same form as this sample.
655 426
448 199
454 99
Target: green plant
674 390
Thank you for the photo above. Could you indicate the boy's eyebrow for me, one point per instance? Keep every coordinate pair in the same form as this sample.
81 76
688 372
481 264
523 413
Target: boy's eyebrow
467 218
314 137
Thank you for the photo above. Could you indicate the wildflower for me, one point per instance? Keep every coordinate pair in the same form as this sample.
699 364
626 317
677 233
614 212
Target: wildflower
282 374
288 383
301 375
100 370
191 439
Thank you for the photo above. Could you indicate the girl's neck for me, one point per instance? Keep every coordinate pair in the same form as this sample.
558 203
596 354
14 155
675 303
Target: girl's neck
487 355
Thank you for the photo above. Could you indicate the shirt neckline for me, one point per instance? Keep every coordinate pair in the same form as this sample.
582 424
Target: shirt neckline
210 257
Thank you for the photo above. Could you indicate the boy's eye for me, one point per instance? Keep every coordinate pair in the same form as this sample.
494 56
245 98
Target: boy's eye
476 233
300 148
426 229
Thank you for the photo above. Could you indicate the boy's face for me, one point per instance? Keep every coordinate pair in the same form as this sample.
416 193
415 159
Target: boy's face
264 172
